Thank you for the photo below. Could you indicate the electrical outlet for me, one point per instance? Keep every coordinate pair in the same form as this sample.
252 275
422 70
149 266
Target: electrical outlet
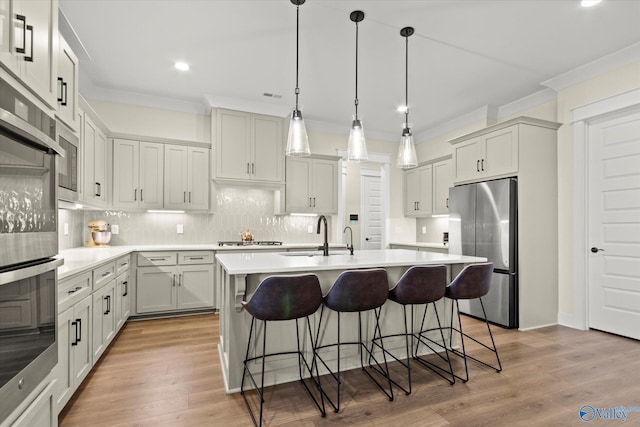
180 229
66 229
115 229
310 229
424 230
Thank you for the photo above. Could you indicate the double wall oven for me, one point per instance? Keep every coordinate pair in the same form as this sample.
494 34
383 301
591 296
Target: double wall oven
28 245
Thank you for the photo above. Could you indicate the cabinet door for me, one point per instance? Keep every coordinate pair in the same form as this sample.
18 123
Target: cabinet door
195 286
123 300
103 319
8 31
411 192
100 165
466 158
42 23
63 372
155 289
175 171
67 85
500 152
198 178
442 180
41 412
298 185
89 187
325 184
81 334
151 175
125 174
233 142
425 202
268 154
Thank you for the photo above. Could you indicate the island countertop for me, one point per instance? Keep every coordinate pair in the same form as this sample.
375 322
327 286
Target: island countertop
255 263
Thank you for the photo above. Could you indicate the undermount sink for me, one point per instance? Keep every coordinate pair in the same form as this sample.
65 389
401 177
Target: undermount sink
312 254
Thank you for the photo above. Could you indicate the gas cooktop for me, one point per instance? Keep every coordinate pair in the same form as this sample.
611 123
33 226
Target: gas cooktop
251 243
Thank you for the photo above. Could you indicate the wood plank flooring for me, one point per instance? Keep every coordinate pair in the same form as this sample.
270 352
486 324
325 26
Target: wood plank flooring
166 372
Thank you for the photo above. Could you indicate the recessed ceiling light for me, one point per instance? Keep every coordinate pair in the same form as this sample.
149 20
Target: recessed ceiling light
182 66
589 3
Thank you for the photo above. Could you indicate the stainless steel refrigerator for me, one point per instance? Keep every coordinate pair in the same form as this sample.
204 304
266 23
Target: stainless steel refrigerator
483 222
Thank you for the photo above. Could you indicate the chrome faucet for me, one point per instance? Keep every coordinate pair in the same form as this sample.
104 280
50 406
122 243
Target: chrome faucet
325 245
350 247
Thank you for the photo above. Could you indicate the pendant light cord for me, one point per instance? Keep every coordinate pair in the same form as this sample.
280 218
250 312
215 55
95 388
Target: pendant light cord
406 82
297 50
356 100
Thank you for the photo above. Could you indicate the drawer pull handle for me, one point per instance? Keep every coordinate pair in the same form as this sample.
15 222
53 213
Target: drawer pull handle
73 291
157 259
105 274
126 288
196 257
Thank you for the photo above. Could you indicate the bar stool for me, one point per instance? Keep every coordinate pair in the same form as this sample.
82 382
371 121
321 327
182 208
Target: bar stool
283 298
474 281
421 285
357 291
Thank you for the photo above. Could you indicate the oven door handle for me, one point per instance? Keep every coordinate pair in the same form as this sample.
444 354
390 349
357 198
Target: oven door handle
29 271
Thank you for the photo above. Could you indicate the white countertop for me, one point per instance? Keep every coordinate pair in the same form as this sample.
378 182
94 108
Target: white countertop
79 260
254 262
422 245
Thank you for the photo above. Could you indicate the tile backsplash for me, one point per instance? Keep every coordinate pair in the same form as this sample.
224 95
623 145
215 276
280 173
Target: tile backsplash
236 210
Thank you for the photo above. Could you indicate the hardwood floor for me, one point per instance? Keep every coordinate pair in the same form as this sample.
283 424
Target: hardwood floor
166 372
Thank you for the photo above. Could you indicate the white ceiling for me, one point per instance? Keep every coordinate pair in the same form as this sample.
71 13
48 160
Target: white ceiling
465 54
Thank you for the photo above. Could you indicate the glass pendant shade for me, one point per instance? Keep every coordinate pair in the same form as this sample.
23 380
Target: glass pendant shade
298 141
357 147
407 157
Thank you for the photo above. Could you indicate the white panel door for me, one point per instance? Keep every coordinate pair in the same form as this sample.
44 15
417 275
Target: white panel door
125 177
614 224
151 175
198 178
372 212
175 174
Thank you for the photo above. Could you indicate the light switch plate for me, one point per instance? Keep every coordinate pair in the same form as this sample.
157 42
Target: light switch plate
310 229
180 229
424 229
115 229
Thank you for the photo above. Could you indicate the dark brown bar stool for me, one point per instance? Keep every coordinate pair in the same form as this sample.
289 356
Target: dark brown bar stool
283 298
474 281
422 285
357 291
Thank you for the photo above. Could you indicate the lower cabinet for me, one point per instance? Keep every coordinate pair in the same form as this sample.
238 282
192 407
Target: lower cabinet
104 318
41 411
123 300
171 281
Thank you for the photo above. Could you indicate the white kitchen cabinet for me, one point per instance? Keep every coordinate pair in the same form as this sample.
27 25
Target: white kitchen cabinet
123 297
138 174
442 180
490 155
418 191
174 281
93 146
67 85
28 44
186 171
104 319
41 410
74 350
249 148
312 185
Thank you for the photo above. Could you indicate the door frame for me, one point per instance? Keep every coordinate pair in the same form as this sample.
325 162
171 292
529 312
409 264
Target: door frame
581 118
378 173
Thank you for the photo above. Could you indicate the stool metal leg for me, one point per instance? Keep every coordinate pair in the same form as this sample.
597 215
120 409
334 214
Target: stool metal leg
424 340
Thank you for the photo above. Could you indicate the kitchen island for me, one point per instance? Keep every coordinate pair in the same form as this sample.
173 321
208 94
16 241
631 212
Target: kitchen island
240 274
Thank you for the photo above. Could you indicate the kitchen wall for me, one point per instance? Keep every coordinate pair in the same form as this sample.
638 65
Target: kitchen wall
237 210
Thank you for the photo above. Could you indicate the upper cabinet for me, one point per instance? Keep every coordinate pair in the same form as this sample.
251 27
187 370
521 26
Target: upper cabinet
28 44
93 146
249 148
186 171
312 185
427 189
138 174
67 85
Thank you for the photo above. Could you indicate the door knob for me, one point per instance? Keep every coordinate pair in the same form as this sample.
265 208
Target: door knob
596 250
366 238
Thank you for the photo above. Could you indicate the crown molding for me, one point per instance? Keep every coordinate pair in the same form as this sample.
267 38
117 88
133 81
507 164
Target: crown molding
487 115
529 101
248 105
592 69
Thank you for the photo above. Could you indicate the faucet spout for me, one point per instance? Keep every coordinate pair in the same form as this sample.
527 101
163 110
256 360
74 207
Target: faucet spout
325 245
350 246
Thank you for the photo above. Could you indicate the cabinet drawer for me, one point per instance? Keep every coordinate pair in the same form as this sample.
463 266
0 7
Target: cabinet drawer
122 264
146 259
103 274
195 257
73 289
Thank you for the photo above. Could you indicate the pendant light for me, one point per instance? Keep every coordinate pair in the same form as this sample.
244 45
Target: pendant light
298 141
407 158
357 147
